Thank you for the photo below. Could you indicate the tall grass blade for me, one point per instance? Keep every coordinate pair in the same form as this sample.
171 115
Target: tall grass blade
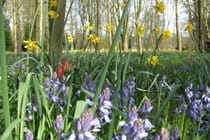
4 82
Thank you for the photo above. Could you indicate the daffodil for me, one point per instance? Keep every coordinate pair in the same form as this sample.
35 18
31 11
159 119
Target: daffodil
153 60
89 27
53 14
110 27
94 39
53 3
122 6
189 27
140 30
70 39
30 45
160 7
157 30
166 34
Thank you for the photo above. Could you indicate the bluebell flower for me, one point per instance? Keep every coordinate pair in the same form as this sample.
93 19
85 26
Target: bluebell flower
127 92
56 90
196 110
157 137
28 134
206 99
147 125
87 126
90 85
105 104
146 107
175 134
164 134
133 113
59 124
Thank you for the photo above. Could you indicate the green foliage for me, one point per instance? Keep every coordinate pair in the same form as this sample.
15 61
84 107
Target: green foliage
8 35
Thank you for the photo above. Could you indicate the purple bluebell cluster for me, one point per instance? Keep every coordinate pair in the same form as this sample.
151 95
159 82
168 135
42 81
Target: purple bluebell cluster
127 92
56 90
164 134
59 124
105 104
146 107
31 108
136 128
90 85
87 126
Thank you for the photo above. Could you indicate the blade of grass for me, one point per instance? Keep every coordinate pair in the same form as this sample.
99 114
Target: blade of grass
110 54
4 82
9 129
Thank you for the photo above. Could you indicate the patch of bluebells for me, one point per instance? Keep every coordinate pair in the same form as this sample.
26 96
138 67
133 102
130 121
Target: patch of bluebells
135 128
197 105
87 126
56 90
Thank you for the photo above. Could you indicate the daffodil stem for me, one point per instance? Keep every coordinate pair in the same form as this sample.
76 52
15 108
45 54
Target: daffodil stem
4 86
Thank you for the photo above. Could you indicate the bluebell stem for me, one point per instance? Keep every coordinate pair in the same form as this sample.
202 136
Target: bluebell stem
59 124
175 134
87 126
146 107
28 134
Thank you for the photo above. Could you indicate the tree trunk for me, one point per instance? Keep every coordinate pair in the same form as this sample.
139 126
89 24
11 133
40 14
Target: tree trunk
200 36
16 28
57 35
179 44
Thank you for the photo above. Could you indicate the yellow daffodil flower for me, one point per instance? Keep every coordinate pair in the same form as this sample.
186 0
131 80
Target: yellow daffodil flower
160 7
70 39
53 14
53 3
94 39
140 30
153 60
157 30
110 27
122 6
89 27
166 34
189 27
30 45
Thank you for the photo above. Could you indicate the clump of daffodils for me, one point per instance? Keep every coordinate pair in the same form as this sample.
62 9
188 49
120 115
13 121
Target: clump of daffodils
160 7
153 60
110 27
166 34
189 27
140 30
52 9
94 38
30 45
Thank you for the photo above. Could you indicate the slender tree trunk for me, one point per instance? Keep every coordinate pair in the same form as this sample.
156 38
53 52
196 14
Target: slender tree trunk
97 21
200 36
179 44
16 28
57 34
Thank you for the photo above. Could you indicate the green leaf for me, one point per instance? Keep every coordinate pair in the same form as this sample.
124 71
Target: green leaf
9 129
80 107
